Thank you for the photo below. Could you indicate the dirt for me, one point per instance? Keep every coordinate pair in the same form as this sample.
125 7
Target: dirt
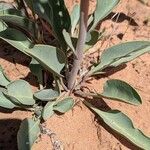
80 129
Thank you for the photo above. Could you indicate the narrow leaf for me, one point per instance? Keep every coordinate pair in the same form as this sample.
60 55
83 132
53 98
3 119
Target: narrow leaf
28 133
21 91
46 95
75 15
124 126
56 14
48 110
68 40
103 8
121 53
64 105
121 91
16 18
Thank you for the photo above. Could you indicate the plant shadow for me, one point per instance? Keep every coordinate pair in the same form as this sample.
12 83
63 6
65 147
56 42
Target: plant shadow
122 17
13 55
100 103
110 71
8 133
7 52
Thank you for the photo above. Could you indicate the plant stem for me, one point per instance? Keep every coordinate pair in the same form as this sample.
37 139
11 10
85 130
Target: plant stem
84 6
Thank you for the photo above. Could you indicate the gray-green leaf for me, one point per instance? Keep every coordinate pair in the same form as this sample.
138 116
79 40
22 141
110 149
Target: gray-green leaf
36 70
103 8
75 15
121 53
64 105
56 14
21 91
4 101
17 39
16 18
124 126
48 111
49 57
121 91
28 133
92 38
5 5
46 95
68 40
4 81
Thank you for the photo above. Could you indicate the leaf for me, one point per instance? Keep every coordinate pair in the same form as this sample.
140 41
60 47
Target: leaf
36 70
91 39
103 8
21 91
75 15
121 91
68 41
121 53
16 18
56 14
46 95
4 81
28 133
48 110
123 125
3 26
4 5
49 57
64 105
17 39
4 101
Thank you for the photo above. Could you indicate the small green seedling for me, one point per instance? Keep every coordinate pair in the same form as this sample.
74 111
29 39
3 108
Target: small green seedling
59 57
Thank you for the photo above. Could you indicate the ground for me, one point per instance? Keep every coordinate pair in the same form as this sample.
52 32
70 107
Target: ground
80 129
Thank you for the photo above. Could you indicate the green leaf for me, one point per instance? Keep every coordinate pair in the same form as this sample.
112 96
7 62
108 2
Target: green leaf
17 39
64 105
103 8
91 39
121 91
16 18
48 110
4 101
46 95
21 91
124 126
56 14
28 133
36 70
49 57
68 41
3 26
121 53
4 81
5 5
75 15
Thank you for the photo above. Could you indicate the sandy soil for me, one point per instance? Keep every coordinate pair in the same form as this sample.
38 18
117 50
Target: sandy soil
80 129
